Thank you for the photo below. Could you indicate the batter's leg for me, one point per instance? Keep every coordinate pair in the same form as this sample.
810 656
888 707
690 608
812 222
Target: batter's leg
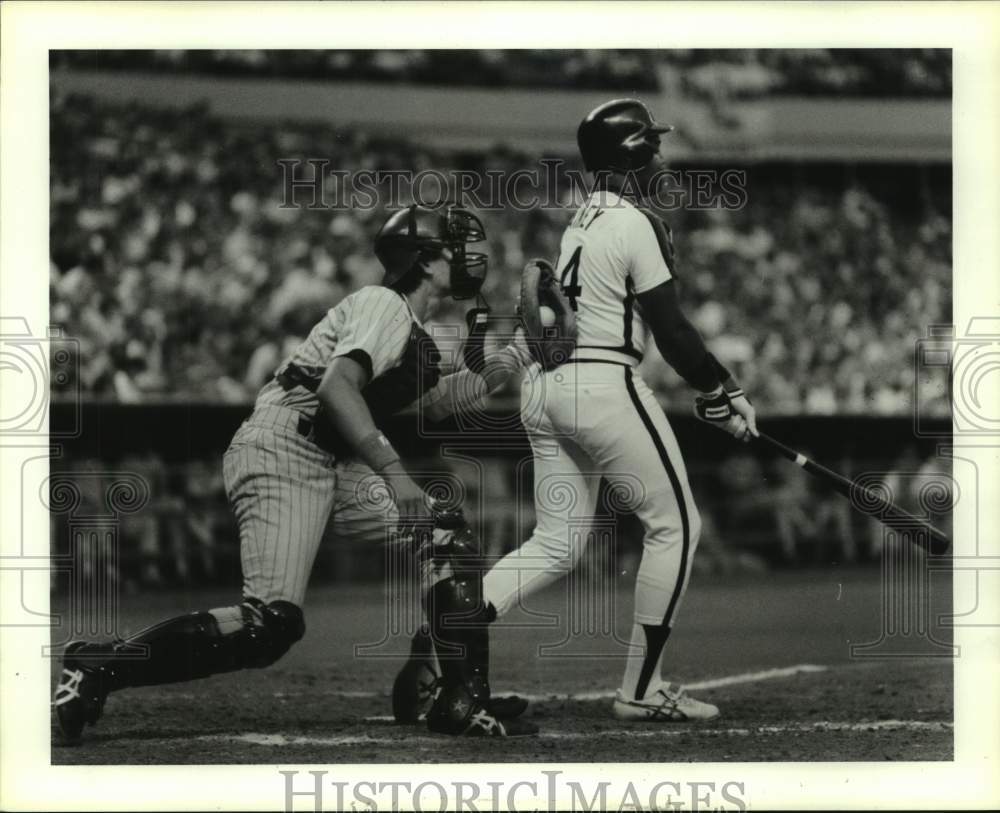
640 442
566 490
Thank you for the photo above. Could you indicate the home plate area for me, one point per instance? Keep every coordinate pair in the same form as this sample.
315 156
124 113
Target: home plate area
774 655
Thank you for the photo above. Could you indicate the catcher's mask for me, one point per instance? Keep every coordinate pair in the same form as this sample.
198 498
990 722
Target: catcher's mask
416 235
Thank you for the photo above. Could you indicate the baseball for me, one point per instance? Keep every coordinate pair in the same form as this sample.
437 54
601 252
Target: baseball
547 315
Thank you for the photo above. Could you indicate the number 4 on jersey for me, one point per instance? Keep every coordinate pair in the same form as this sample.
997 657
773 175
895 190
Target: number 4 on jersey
569 278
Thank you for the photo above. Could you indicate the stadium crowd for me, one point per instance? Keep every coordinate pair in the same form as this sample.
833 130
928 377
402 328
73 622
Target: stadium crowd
704 73
182 275
756 514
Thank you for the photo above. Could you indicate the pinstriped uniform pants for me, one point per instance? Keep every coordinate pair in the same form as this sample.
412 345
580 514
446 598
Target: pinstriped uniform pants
284 490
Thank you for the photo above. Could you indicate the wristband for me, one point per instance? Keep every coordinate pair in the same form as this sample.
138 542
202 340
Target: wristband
377 452
733 390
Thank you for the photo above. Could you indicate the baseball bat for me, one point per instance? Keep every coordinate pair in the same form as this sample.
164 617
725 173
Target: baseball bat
867 501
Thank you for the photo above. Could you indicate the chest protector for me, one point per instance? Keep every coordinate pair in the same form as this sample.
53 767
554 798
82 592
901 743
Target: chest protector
418 371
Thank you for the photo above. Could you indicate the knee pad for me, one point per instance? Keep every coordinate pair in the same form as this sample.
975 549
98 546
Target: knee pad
270 630
252 634
457 592
457 601
453 551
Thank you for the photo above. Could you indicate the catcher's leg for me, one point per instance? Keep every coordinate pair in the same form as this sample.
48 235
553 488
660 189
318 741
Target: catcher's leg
183 648
417 683
280 488
459 627
360 515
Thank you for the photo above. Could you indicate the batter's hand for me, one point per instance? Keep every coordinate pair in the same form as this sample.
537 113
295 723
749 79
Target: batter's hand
733 415
741 406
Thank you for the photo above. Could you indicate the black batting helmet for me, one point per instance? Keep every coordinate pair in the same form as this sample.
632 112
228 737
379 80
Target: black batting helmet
416 235
620 135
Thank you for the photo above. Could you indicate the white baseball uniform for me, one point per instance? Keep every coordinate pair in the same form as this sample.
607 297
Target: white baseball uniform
594 416
282 479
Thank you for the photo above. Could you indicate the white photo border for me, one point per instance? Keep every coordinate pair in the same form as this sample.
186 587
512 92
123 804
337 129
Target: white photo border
27 779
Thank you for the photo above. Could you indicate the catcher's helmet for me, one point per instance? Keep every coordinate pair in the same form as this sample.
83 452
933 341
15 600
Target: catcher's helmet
620 135
417 234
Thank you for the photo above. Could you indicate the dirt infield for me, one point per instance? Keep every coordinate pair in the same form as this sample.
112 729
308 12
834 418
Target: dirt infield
773 651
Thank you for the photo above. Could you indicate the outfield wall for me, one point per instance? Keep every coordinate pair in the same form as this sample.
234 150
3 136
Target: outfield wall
759 510
545 121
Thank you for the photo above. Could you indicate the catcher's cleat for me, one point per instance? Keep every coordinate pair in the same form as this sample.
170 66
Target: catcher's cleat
458 713
417 683
80 695
670 704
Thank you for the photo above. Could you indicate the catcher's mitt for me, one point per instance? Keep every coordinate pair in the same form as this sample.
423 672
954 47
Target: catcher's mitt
550 345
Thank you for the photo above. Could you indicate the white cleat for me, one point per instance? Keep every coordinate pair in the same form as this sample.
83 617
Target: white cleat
669 704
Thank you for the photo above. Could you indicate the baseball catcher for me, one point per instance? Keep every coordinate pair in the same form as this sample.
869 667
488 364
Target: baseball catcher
302 457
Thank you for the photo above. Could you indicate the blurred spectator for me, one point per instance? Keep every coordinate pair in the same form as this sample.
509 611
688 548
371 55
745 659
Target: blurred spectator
180 275
708 73
923 488
809 519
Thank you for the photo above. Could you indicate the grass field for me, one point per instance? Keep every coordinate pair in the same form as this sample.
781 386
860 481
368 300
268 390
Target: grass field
771 650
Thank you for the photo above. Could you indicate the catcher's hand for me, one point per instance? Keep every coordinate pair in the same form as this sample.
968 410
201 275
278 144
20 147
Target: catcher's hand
550 344
412 502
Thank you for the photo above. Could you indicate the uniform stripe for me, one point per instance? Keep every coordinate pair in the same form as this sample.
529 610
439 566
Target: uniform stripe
663 239
627 305
628 317
656 638
595 361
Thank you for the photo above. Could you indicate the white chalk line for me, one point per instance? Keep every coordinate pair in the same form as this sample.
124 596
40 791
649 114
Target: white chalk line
408 739
697 686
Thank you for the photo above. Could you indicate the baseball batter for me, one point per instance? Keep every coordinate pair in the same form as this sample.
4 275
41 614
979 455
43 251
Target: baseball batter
311 448
591 414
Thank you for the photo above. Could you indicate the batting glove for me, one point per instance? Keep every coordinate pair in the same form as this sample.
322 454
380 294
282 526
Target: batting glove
732 413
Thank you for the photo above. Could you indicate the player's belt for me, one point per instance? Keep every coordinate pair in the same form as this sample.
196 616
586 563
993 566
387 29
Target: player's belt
319 432
601 355
294 376
276 417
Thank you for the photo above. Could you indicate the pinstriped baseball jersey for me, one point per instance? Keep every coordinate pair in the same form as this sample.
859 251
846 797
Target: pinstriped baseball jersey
372 326
284 486
611 251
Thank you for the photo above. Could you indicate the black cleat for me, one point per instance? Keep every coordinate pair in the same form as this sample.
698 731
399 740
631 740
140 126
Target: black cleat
417 684
80 695
457 713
